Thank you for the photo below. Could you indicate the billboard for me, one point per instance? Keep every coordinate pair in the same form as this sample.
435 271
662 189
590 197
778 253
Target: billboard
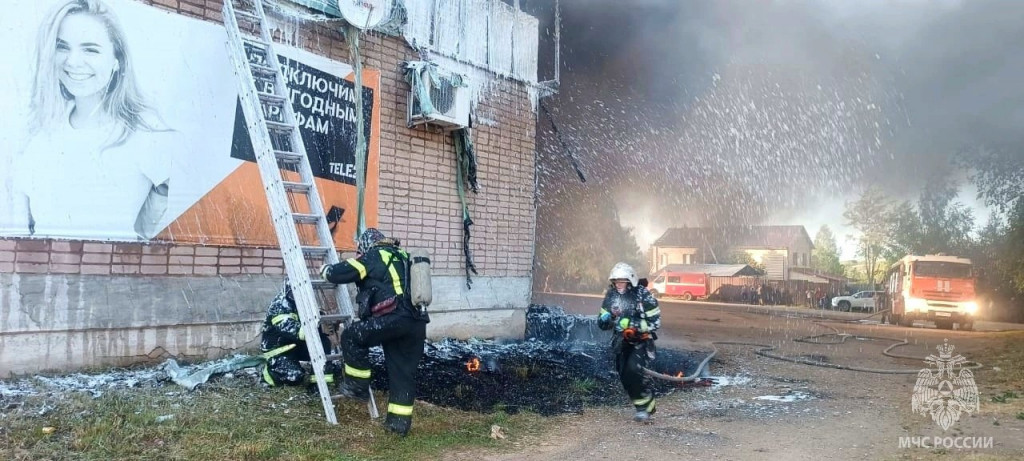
121 122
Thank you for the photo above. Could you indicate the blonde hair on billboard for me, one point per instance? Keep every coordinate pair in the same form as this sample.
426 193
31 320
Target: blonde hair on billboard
122 100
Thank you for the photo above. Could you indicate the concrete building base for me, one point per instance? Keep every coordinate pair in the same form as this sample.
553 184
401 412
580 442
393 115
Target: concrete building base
51 322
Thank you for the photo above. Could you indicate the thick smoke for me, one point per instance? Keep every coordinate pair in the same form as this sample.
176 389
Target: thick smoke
724 112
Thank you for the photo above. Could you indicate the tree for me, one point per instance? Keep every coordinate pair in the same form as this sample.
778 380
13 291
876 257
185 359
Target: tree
869 214
946 224
743 257
998 172
825 257
904 233
579 239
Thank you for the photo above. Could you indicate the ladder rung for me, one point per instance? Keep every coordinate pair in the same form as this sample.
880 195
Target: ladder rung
288 157
330 357
296 186
263 69
255 41
271 97
306 218
279 126
319 284
247 15
334 318
315 251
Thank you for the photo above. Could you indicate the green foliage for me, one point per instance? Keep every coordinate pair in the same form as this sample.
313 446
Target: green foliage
742 257
825 257
579 241
998 173
869 214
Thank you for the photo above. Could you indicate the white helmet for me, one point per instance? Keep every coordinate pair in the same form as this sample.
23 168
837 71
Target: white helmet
624 271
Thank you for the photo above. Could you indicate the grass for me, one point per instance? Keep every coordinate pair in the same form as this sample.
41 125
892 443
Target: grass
237 423
1002 390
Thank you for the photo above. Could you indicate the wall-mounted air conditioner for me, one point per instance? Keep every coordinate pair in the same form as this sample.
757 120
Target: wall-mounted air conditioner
449 99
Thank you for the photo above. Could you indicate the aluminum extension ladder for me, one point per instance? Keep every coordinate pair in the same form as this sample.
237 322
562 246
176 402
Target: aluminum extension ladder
295 206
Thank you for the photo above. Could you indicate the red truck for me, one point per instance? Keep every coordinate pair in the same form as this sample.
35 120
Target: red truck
685 285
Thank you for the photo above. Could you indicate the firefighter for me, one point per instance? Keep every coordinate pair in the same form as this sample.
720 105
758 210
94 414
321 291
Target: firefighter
633 313
283 343
387 318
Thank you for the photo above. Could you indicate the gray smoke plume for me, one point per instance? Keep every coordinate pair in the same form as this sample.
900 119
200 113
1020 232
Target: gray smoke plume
744 111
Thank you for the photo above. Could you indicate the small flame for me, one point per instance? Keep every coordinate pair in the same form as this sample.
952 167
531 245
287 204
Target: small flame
473 365
680 375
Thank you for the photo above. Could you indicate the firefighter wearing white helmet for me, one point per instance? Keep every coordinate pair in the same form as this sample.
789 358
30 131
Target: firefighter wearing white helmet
633 313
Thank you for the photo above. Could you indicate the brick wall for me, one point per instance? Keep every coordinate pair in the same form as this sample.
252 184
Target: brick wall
44 256
418 200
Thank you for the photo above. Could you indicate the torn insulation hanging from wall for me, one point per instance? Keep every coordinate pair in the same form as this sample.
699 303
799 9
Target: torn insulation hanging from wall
474 39
465 172
415 73
448 21
464 148
499 38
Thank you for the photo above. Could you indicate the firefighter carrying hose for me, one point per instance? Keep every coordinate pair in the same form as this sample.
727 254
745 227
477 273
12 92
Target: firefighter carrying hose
633 313
283 344
387 318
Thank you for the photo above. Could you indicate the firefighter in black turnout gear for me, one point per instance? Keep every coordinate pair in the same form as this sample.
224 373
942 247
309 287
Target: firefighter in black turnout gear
387 318
284 345
633 313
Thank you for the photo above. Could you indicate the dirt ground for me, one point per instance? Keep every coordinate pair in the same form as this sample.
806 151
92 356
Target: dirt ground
834 414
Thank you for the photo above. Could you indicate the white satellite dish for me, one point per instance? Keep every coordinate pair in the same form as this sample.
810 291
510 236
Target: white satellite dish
365 14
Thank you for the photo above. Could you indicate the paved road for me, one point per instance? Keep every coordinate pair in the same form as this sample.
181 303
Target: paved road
830 415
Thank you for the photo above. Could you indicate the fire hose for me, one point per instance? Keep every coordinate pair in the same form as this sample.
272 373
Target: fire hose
765 350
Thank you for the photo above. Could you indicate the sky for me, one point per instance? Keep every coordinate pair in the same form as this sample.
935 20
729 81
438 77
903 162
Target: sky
719 112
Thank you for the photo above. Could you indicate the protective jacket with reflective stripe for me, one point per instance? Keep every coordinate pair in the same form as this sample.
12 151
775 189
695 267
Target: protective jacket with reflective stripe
636 307
282 325
381 272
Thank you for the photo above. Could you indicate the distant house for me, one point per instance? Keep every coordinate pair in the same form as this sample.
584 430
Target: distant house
777 248
712 270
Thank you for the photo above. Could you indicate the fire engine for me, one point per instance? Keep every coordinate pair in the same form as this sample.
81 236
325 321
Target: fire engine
685 285
935 288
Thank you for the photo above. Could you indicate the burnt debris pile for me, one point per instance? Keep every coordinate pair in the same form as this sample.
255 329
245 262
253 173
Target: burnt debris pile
552 372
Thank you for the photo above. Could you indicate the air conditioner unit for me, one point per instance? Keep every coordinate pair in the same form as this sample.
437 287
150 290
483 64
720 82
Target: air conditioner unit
449 100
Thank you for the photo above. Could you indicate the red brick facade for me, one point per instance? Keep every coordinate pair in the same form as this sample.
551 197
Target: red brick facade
418 201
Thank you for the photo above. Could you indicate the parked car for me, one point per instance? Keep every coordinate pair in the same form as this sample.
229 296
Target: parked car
861 301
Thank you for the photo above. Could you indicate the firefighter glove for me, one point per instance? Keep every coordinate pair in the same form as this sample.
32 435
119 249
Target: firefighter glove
325 271
606 316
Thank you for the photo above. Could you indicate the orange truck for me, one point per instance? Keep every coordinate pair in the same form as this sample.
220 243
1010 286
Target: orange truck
685 285
935 288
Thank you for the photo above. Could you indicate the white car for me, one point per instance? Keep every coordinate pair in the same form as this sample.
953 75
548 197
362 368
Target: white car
862 301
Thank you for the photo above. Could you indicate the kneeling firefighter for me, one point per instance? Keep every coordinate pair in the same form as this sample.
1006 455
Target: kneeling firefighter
388 317
283 343
633 313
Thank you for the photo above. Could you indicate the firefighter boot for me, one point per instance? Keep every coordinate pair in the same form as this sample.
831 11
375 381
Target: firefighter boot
357 389
397 424
644 412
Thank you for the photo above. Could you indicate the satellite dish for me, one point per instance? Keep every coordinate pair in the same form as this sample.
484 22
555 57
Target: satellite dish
365 14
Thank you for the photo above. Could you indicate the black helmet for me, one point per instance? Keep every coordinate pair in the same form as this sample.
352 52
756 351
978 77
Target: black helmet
368 239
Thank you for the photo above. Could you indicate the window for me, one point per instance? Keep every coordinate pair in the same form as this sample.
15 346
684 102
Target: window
664 260
660 279
688 260
942 269
675 279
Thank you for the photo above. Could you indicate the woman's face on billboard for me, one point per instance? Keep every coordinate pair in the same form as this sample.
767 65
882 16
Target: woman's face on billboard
85 58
